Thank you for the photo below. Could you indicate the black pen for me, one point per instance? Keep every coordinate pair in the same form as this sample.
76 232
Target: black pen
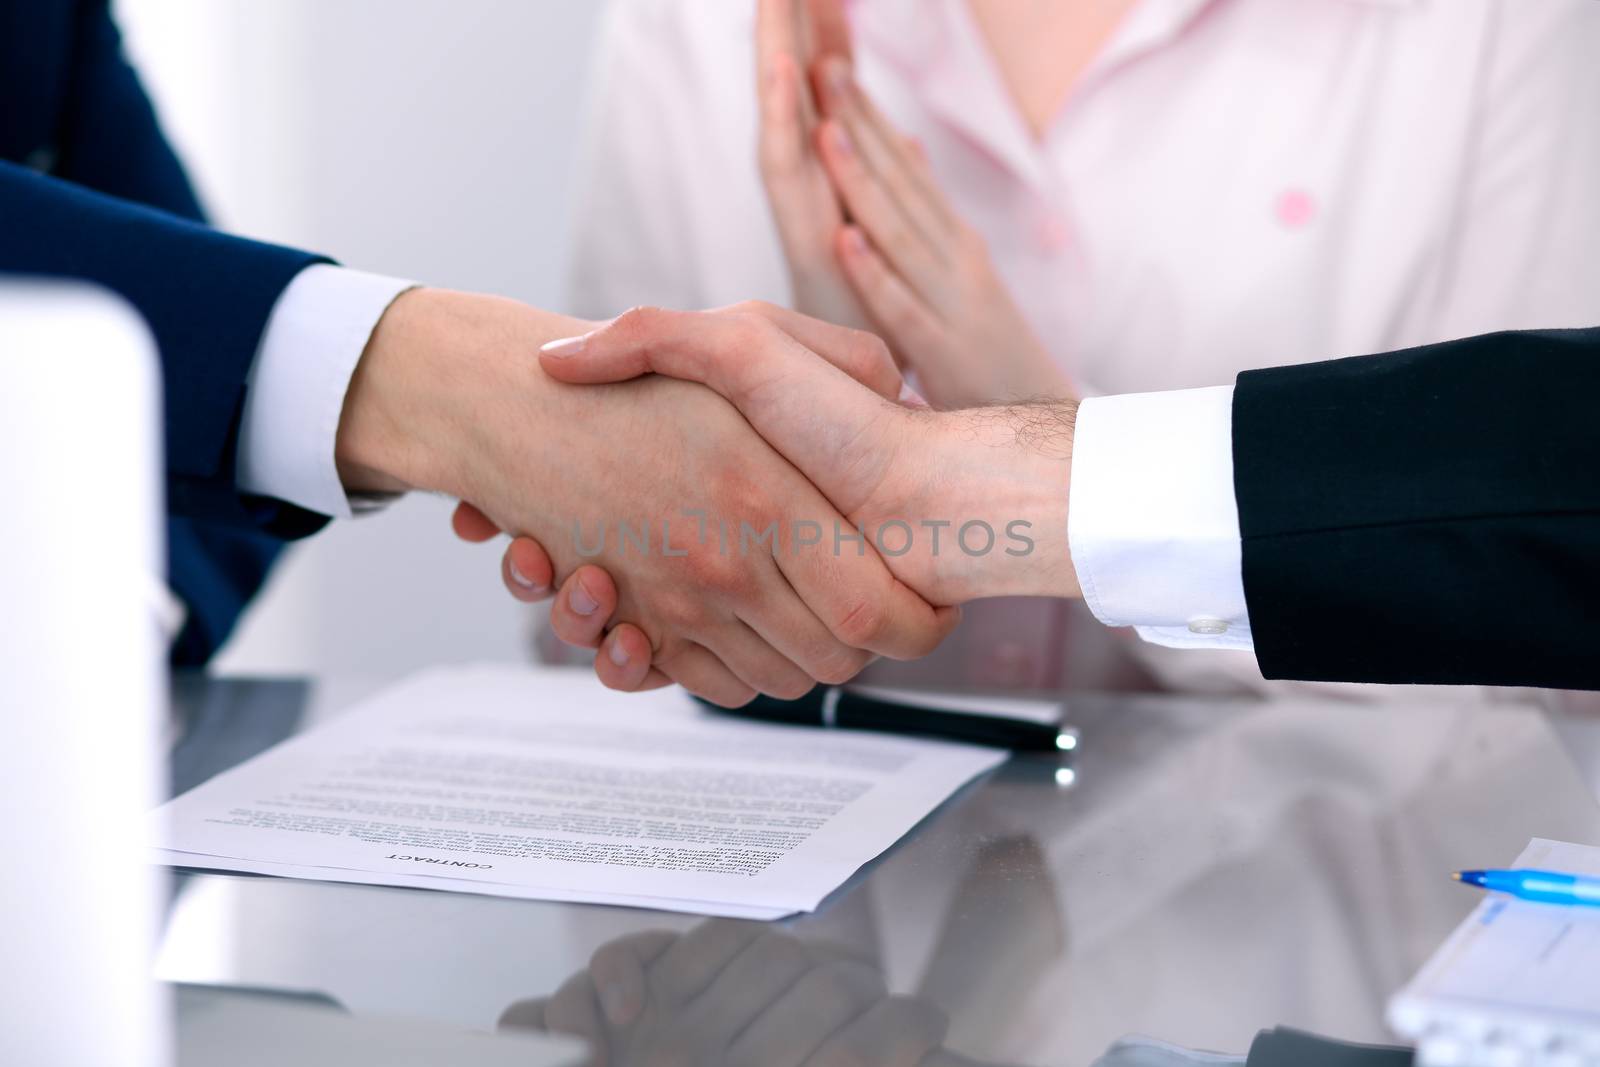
843 709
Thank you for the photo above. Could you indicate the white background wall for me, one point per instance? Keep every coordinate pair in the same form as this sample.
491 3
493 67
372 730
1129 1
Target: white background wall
423 138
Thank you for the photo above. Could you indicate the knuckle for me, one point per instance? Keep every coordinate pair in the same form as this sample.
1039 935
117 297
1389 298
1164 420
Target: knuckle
731 695
923 641
872 362
669 655
683 611
839 664
862 623
637 321
875 350
751 327
762 309
723 574
791 686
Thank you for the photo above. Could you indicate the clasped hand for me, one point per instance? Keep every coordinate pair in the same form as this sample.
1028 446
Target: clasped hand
730 579
953 506
870 239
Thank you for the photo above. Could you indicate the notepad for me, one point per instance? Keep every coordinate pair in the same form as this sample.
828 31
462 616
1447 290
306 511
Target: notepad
1517 982
543 784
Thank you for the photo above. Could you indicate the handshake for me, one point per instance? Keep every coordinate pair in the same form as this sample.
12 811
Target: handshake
739 501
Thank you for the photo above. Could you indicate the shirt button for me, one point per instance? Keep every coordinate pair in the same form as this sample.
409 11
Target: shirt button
1296 208
1208 627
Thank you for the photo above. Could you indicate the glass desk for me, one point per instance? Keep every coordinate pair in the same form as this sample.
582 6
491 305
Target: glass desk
1205 870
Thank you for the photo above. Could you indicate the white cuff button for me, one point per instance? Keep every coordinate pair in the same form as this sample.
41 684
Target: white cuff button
1208 627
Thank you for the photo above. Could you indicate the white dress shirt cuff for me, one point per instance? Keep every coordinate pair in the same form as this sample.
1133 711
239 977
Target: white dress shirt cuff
313 340
1152 522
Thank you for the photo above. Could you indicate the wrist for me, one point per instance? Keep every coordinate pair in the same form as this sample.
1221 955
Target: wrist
1000 477
435 364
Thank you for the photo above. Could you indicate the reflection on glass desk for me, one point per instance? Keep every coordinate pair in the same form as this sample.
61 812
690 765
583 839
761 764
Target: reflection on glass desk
1215 869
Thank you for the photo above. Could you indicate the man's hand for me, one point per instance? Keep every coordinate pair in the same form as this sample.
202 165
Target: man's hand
644 479
735 993
961 504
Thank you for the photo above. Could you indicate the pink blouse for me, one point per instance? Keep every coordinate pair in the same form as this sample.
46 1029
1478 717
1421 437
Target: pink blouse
1232 184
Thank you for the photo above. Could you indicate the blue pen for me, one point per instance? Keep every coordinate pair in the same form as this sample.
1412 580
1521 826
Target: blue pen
1546 887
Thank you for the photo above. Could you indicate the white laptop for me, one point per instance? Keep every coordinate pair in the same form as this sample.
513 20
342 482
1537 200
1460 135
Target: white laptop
84 619
81 678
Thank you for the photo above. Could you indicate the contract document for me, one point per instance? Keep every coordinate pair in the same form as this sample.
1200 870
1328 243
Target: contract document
544 785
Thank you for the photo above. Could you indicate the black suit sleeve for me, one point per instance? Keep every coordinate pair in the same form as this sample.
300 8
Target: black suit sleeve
1429 516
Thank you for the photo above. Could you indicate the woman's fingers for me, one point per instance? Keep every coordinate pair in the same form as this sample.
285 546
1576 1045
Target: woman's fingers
830 29
782 31
899 160
909 323
782 144
882 211
884 155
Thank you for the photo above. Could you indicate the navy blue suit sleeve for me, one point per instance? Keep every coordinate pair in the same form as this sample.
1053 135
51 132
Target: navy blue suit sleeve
206 297
75 108
108 137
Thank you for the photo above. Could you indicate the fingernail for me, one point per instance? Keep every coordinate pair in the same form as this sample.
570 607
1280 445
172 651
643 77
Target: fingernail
580 601
522 579
564 347
618 654
911 398
841 140
614 1002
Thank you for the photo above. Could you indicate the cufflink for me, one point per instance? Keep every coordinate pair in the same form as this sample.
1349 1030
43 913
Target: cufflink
1208 627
